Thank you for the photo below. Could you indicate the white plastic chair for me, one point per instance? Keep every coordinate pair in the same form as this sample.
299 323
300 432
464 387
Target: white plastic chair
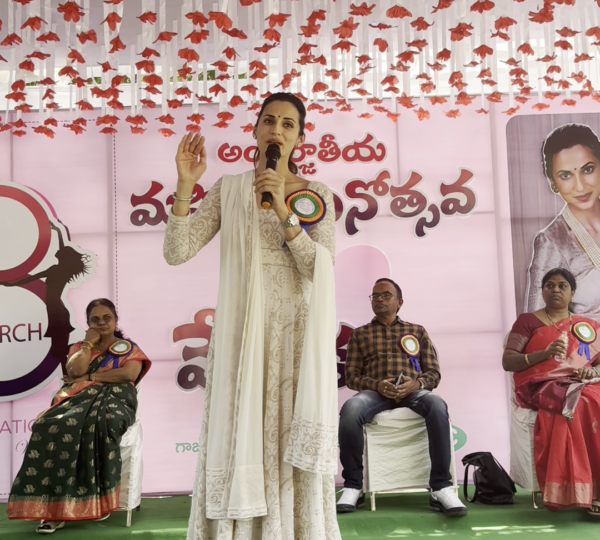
522 424
522 466
130 496
396 457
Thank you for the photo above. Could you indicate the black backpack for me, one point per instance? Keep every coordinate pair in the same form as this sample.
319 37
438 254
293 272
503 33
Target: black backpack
493 485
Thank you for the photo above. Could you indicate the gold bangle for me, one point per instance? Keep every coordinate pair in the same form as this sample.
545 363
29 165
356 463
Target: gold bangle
89 344
182 199
93 377
527 360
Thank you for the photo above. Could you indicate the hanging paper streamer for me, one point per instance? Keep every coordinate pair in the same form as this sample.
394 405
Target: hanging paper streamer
375 49
585 334
411 346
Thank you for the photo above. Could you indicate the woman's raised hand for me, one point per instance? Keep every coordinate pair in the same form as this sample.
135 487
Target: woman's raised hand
93 336
191 163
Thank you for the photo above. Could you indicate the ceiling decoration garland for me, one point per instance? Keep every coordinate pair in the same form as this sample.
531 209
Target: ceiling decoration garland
386 57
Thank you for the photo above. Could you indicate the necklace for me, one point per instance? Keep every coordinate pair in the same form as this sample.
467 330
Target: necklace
553 323
98 347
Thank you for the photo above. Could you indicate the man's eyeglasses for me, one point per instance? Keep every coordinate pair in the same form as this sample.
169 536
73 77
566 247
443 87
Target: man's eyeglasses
384 296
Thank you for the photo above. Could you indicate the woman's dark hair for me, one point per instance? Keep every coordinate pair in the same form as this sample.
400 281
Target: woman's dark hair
106 303
296 102
560 272
568 136
396 286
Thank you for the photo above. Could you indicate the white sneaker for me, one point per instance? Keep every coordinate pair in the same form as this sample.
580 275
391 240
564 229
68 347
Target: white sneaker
446 500
350 500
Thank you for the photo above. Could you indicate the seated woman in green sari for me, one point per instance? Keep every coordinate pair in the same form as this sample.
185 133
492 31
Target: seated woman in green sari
72 465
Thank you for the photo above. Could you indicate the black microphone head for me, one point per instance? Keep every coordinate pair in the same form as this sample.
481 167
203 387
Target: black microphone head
273 152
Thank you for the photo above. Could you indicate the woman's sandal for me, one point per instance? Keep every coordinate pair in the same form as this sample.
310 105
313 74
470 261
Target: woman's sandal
594 510
48 527
105 516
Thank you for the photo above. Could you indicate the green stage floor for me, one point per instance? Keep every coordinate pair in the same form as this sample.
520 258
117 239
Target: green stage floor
397 516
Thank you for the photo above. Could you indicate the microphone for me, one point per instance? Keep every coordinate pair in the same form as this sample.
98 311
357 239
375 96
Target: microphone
272 154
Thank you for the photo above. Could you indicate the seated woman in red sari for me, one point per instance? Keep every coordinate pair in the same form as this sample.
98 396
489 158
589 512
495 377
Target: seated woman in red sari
553 355
72 465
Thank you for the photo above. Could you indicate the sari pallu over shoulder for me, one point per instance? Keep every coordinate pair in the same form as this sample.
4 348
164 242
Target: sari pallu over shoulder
551 385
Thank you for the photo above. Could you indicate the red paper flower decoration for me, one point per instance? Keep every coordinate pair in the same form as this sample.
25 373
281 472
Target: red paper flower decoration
346 28
482 5
361 11
35 23
71 11
221 20
398 12
422 114
112 19
460 31
148 17
442 4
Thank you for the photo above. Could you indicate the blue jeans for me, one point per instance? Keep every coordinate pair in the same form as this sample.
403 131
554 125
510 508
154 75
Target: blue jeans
360 410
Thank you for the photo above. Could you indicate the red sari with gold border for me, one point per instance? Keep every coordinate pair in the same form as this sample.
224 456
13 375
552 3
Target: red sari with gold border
567 431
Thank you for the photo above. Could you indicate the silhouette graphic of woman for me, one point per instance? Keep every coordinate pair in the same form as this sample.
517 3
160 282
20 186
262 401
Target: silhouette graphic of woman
71 265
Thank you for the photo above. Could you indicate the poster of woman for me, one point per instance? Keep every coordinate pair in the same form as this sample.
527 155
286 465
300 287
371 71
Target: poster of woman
554 175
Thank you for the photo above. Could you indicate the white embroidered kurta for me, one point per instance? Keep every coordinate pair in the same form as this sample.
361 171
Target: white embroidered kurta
298 505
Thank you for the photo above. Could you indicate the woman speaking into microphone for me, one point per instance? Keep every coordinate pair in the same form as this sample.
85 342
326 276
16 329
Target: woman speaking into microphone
269 430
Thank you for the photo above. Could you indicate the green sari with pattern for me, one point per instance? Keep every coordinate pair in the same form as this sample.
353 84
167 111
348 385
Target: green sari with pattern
72 465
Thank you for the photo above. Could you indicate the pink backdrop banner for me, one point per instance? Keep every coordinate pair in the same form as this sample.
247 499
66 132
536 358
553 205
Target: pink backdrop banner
425 203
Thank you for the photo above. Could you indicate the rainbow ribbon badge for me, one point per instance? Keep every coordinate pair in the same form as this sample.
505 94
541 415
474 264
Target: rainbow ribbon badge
119 348
410 345
585 334
307 205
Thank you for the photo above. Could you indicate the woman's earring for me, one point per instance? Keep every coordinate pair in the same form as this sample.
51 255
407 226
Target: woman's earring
553 188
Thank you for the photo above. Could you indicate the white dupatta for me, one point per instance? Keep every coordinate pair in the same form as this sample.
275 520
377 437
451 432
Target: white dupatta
235 485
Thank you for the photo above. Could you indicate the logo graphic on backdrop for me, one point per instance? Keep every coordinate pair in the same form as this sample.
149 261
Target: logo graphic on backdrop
195 338
361 199
39 265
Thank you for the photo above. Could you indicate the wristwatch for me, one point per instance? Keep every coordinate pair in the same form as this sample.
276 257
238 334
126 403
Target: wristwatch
291 221
421 384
